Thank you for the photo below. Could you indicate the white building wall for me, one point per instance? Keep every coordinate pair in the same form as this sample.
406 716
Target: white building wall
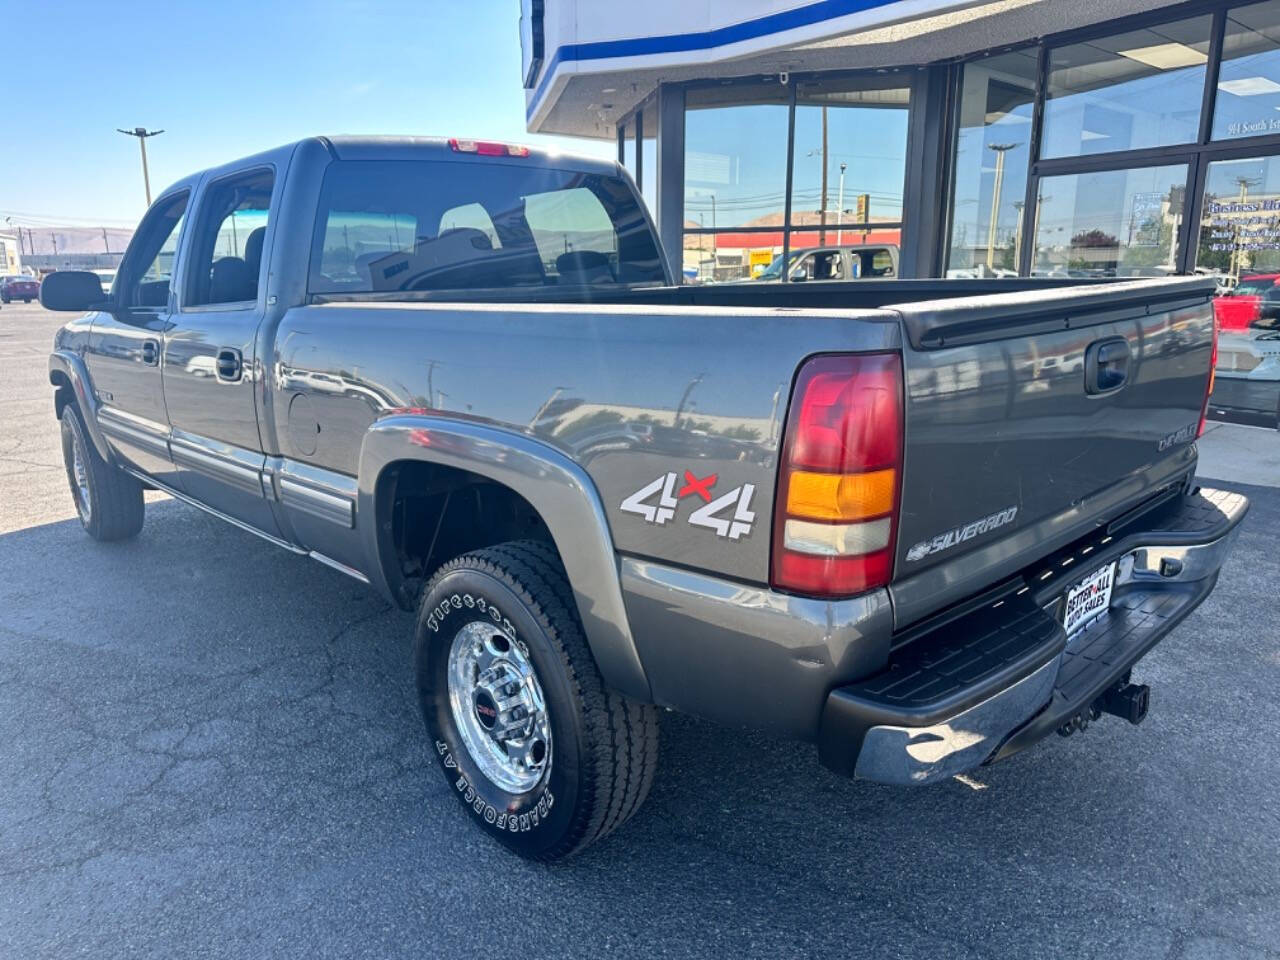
10 254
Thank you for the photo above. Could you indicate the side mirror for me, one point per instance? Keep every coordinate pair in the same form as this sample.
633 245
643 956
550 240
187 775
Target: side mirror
77 290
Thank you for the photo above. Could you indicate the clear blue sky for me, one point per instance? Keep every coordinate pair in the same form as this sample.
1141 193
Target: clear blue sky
231 78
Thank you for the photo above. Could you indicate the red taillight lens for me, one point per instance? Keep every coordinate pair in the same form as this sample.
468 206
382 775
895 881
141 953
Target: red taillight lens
835 522
840 422
488 148
1208 387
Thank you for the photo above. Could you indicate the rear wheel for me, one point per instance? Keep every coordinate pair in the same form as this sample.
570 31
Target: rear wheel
108 500
544 757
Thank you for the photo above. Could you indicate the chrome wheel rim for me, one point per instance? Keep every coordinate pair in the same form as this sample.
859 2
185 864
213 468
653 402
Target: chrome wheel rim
80 479
498 707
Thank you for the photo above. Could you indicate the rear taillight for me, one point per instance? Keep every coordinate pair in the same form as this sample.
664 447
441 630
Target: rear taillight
1208 386
488 148
836 517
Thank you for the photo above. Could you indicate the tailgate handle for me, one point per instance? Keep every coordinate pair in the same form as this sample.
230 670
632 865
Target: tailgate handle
1106 365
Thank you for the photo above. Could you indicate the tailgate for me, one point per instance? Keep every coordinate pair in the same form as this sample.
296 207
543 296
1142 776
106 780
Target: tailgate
1018 439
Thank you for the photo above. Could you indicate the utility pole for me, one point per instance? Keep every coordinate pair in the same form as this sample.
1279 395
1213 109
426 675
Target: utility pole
822 213
142 133
713 237
1041 200
106 245
1018 205
840 208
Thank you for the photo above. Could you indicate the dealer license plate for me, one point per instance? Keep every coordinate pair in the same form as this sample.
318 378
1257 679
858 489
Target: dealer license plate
1087 599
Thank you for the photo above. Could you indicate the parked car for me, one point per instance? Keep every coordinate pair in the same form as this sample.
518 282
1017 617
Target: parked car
850 262
1242 307
19 286
107 278
858 515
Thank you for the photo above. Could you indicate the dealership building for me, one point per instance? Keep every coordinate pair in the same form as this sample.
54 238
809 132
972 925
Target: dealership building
1071 138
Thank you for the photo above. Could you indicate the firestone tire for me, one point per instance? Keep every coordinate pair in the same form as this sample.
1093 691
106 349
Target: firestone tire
108 500
597 763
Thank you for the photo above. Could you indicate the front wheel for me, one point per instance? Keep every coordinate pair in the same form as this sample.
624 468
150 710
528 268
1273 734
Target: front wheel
544 757
108 500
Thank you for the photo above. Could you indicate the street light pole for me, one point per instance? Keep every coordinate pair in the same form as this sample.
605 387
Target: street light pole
1000 149
142 133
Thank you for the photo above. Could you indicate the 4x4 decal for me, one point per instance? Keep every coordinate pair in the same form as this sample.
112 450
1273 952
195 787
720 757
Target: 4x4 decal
714 513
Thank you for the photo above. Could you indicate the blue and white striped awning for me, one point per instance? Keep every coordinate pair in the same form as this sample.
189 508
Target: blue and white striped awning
584 38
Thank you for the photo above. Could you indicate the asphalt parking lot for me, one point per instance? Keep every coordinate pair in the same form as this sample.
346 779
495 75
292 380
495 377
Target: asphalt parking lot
209 747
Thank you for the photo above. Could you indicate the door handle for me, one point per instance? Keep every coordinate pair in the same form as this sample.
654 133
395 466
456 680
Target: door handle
151 352
230 364
1106 365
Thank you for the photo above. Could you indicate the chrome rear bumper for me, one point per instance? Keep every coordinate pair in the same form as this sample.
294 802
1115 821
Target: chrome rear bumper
1008 670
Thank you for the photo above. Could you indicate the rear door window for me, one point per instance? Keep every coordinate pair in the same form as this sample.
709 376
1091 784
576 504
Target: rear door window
476 225
226 251
876 263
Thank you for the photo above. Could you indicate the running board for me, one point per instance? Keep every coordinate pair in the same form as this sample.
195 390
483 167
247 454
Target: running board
300 551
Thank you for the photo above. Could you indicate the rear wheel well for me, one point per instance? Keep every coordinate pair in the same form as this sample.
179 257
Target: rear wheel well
428 514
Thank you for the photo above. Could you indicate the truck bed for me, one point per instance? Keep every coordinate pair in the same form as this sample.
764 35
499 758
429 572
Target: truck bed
998 421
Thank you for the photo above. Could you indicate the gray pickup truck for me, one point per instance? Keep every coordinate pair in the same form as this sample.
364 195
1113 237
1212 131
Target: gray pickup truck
921 524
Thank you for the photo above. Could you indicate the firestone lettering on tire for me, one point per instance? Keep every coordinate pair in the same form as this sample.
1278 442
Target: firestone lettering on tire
502 820
459 601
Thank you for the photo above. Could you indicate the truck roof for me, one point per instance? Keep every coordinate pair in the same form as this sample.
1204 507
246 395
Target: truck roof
398 148
438 148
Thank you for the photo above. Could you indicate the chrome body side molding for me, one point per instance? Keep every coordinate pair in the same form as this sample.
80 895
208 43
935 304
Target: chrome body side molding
314 491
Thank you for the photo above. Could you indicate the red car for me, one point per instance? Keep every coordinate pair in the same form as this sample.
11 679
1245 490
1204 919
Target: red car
1241 308
19 287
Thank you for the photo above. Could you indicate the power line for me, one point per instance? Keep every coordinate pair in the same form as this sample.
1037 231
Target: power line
55 219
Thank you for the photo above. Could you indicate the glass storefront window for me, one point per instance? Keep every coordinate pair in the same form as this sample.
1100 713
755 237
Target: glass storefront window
1240 243
1115 223
735 163
1137 89
849 165
997 99
629 147
649 160
1240 219
1248 93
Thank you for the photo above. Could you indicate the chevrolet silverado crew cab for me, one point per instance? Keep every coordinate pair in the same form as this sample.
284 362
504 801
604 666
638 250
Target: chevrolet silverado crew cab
920 524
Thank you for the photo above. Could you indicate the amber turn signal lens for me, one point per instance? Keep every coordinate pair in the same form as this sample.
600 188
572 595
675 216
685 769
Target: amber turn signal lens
841 496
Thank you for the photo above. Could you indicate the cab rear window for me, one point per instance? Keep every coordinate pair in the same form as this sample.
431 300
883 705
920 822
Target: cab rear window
391 226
